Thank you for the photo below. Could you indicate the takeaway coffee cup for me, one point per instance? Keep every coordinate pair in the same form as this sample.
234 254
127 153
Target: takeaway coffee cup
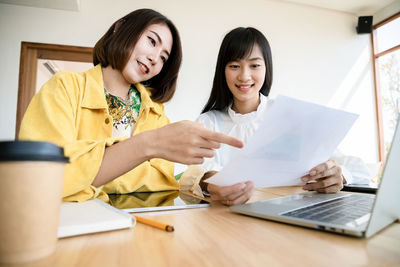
31 179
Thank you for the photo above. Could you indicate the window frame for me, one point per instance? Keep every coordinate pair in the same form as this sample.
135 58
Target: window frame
377 87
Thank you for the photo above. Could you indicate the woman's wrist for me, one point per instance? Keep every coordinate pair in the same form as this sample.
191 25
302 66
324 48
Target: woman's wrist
145 143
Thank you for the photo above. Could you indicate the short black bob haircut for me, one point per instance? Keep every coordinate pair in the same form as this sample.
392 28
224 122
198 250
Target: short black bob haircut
237 45
117 44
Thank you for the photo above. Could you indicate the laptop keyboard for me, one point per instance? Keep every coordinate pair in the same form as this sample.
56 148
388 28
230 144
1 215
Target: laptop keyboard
337 211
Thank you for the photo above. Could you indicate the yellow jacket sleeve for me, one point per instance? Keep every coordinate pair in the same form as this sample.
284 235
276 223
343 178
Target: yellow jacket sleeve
70 110
53 116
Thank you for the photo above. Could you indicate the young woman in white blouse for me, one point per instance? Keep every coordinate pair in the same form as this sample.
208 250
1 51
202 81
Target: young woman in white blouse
237 105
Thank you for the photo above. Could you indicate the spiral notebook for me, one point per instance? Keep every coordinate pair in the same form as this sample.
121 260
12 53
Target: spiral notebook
92 216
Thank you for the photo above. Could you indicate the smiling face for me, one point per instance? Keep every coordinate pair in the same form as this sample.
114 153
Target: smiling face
149 55
245 78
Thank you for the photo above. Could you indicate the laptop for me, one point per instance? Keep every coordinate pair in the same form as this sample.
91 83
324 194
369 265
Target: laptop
355 214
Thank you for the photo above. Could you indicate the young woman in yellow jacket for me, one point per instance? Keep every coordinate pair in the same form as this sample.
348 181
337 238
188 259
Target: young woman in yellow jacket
110 119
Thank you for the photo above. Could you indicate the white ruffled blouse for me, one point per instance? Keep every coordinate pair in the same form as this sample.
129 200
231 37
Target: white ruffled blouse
243 126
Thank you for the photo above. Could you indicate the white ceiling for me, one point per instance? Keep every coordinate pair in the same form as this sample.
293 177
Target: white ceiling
356 7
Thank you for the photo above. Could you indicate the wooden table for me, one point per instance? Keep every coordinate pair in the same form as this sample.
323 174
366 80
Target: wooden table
217 237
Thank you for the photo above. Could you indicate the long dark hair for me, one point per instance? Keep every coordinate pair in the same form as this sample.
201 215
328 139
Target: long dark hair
117 44
237 45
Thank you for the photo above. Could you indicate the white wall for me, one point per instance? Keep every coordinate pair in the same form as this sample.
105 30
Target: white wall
317 54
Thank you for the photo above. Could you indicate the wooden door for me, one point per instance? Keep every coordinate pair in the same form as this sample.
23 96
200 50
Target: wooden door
30 53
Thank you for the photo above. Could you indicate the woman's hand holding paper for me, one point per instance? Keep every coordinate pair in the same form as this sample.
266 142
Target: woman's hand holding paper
235 194
327 176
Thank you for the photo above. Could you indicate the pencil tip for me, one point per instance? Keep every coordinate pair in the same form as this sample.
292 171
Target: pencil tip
169 228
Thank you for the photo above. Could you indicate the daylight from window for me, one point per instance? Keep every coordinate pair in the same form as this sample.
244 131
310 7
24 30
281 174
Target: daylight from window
388 37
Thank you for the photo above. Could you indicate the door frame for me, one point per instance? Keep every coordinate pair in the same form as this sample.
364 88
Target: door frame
30 53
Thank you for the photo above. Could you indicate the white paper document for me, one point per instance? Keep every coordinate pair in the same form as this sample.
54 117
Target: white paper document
294 137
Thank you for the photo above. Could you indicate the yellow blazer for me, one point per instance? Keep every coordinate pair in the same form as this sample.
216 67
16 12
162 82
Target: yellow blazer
71 111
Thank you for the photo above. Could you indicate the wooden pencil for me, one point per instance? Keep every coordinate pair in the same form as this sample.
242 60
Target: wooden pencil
156 224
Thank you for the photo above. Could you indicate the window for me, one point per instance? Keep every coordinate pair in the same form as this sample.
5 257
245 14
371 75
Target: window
386 50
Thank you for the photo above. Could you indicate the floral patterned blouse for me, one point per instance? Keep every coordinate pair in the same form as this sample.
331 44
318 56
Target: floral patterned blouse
124 112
